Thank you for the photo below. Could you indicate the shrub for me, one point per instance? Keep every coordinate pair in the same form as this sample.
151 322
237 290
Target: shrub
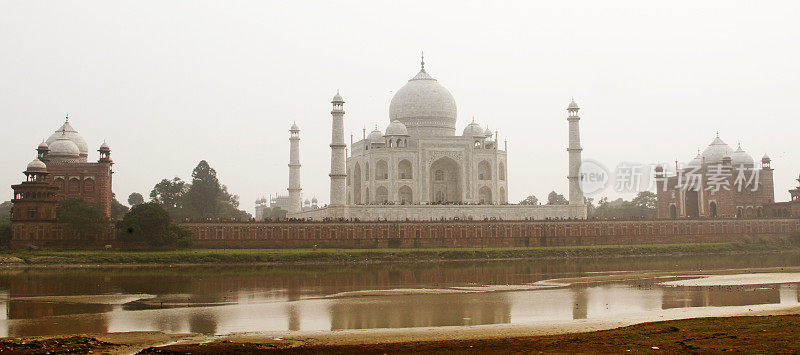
148 226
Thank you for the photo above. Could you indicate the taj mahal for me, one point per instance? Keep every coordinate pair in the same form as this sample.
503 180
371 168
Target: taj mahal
418 168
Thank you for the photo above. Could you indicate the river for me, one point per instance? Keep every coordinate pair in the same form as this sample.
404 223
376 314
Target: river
216 300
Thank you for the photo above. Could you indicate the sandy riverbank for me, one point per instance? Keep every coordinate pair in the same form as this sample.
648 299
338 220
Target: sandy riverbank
488 338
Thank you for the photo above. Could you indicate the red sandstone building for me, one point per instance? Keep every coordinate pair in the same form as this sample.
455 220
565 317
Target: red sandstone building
719 183
60 170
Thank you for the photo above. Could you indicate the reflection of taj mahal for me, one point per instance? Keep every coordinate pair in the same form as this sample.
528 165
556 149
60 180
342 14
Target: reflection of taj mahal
418 168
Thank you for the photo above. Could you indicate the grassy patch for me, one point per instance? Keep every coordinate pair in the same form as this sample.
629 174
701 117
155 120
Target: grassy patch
241 256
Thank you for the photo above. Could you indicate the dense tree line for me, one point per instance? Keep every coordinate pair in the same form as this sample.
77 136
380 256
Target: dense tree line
205 197
641 206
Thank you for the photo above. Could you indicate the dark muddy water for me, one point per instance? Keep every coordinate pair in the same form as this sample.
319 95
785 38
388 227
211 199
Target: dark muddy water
220 300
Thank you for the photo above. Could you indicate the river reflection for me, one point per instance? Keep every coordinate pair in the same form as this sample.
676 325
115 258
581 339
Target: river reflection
220 300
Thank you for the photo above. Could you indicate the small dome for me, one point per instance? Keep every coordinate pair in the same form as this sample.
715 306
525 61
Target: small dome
740 157
697 161
473 130
765 157
337 98
375 135
294 127
307 202
104 146
716 151
36 165
314 200
65 147
396 128
43 146
72 134
573 105
487 132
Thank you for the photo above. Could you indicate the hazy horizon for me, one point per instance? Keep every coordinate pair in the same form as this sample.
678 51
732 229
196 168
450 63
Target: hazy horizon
168 84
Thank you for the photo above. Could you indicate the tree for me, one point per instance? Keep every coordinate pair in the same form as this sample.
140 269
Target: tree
5 212
135 199
642 206
645 200
5 234
170 195
530 200
554 198
117 209
590 207
84 218
148 225
203 196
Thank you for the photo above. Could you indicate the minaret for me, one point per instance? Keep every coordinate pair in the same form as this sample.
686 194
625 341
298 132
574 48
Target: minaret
338 171
575 192
295 204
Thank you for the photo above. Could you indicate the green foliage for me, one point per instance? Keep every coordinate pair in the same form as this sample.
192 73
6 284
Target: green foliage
645 199
86 219
148 225
642 206
5 234
170 194
530 200
135 199
205 193
554 198
117 209
204 198
308 255
5 211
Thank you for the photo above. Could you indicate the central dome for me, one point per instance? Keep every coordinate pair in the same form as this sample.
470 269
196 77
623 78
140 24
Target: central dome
425 107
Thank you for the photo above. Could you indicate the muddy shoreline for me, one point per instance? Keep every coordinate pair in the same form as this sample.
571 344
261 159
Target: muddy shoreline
739 329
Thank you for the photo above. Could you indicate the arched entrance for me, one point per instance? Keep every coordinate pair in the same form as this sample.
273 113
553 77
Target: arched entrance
404 195
712 209
445 181
692 204
673 212
485 195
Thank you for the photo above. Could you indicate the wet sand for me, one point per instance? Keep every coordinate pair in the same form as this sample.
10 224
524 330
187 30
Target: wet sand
738 280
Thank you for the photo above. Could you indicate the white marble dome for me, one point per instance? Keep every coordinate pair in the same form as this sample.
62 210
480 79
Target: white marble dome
375 135
72 134
63 146
36 165
716 151
396 128
425 107
473 130
697 161
43 146
740 157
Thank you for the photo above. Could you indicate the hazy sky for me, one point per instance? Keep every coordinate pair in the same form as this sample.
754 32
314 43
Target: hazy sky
169 83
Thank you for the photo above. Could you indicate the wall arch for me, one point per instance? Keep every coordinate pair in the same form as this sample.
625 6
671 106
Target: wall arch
405 195
445 181
484 170
485 195
381 170
404 170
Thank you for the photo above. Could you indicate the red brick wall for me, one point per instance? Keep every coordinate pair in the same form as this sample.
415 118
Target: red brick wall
432 234
482 234
91 181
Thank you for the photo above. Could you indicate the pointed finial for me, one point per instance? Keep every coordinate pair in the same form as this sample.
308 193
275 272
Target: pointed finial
422 63
473 119
67 117
717 133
